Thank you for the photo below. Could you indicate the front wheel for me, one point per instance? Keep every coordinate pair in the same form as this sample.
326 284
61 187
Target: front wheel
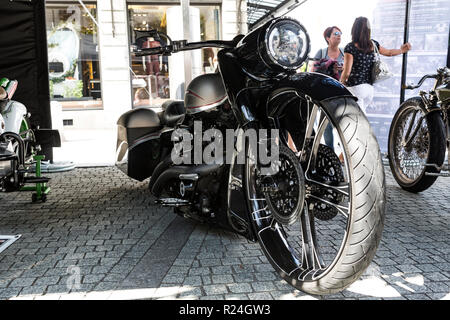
416 145
338 230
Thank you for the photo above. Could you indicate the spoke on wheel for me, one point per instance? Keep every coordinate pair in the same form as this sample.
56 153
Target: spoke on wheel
341 209
413 118
342 188
412 136
311 258
315 146
309 131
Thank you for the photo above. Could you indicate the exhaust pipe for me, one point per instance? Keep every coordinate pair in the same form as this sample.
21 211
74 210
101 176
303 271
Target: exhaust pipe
175 172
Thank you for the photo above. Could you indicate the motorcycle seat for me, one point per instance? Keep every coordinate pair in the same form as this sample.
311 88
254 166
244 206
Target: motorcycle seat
174 113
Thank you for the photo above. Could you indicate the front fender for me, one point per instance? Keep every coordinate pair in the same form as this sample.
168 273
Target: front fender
306 86
316 85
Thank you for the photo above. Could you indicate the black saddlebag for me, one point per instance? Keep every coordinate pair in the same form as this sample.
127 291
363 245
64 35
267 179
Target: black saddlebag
138 149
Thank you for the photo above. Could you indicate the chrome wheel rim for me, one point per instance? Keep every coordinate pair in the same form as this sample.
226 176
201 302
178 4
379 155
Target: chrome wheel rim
411 144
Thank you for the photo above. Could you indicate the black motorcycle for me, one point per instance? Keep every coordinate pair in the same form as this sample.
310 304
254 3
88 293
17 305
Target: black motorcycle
318 210
419 135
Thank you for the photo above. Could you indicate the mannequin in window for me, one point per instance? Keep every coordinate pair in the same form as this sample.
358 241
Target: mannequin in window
152 61
152 66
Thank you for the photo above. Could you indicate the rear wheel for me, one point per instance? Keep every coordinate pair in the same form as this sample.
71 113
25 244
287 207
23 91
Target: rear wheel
337 232
416 139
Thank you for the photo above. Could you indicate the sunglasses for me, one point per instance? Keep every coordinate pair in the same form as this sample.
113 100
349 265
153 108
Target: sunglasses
337 33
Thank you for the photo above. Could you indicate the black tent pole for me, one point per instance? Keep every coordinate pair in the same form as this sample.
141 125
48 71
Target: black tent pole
405 55
448 50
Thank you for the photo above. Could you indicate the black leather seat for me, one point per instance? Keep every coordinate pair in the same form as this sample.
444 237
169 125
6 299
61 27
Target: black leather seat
174 112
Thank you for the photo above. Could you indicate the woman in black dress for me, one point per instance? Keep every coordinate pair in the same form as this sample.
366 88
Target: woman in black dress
359 59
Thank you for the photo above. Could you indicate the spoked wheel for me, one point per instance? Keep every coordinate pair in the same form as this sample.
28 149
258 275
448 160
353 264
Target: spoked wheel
334 237
416 145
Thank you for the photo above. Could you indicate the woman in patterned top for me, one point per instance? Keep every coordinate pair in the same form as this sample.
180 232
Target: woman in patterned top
359 59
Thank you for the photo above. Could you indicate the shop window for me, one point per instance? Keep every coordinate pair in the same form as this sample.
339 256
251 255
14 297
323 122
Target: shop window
73 57
152 81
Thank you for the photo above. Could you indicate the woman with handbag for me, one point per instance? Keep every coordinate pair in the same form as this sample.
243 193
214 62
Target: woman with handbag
329 60
361 62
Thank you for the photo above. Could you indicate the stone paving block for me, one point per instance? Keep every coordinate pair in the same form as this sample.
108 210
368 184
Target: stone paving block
93 278
222 270
260 296
210 262
263 286
114 277
438 276
21 282
33 291
183 262
8 293
100 269
265 276
199 271
244 277
222 279
215 289
59 288
181 270
240 288
170 278
206 280
212 297
243 268
46 281
193 281
407 268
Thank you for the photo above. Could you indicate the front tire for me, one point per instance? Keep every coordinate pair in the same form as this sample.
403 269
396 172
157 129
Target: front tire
307 262
407 162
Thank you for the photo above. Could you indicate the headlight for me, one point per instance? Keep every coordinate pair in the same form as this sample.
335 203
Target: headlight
286 44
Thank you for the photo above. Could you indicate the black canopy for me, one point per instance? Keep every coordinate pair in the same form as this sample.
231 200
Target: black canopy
23 56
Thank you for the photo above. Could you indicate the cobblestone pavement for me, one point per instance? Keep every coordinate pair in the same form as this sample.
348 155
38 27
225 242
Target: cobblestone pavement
99 235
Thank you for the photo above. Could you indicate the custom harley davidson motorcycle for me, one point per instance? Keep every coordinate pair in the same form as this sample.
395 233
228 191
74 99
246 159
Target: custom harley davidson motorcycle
419 135
319 216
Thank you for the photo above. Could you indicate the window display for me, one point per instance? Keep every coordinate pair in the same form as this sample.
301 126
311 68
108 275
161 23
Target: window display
74 69
150 74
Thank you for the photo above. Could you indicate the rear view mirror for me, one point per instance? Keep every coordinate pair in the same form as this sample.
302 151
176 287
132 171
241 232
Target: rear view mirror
143 39
143 36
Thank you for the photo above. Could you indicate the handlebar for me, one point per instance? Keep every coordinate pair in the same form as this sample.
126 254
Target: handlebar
428 76
441 74
183 45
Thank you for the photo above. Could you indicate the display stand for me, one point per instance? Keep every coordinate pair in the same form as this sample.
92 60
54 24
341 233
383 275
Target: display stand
41 189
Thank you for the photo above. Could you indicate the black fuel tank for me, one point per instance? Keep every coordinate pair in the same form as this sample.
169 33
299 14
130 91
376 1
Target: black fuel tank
205 93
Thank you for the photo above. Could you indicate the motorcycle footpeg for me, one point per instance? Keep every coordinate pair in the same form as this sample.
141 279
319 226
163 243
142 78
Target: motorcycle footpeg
172 202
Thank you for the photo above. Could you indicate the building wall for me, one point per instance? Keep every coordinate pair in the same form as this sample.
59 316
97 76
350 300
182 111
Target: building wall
115 57
233 23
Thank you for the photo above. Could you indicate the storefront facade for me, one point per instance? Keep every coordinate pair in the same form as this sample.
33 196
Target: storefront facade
94 76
